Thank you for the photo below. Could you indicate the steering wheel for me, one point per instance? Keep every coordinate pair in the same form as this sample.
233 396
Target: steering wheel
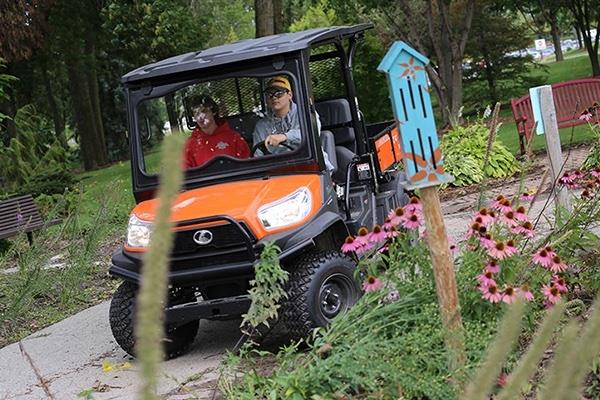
265 150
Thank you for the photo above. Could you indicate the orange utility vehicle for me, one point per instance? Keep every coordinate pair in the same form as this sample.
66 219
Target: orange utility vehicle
306 197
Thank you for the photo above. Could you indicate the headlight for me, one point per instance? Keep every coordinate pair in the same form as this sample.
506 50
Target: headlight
289 210
138 232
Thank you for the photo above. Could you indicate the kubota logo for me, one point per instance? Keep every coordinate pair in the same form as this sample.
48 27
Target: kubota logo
203 237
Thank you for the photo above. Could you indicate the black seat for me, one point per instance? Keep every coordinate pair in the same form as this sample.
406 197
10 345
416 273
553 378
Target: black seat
328 144
335 116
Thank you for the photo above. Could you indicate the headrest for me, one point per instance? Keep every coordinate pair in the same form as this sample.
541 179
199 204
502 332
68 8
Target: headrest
333 112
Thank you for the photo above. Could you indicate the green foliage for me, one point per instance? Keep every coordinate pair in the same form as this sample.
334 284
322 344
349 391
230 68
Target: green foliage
464 149
491 73
266 288
318 15
593 158
5 82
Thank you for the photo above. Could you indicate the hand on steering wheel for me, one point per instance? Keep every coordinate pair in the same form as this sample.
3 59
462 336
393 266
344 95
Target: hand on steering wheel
265 149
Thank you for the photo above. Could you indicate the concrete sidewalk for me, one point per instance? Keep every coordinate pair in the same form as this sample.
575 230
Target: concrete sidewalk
65 359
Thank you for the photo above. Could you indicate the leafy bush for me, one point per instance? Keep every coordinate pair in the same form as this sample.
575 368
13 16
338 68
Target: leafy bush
464 149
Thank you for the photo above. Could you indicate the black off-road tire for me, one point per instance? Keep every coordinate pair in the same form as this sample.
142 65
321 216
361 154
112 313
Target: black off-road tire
315 278
122 319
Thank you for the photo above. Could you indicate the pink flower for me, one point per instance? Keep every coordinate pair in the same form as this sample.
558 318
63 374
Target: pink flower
550 251
560 284
521 214
496 203
526 197
372 284
595 172
499 250
392 232
377 235
502 379
414 206
363 236
485 216
567 178
412 221
525 229
511 248
475 230
486 279
397 216
557 265
585 116
387 224
542 258
492 267
487 241
525 293
349 245
509 295
551 293
504 206
491 293
509 218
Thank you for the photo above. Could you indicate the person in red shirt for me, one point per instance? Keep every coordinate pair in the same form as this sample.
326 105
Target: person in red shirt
212 136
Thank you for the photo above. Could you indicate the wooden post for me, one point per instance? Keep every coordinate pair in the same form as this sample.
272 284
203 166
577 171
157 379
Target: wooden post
553 145
443 272
424 168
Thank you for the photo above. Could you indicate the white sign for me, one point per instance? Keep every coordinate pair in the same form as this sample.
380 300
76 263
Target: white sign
540 44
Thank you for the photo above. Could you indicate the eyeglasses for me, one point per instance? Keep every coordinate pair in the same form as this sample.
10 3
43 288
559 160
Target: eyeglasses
276 93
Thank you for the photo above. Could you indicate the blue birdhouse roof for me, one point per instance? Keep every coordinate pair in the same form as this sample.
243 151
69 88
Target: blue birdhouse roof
392 55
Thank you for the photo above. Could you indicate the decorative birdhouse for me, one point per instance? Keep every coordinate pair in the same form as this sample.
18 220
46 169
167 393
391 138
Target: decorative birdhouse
409 93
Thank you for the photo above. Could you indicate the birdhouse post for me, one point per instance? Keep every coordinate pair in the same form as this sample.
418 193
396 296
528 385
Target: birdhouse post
423 164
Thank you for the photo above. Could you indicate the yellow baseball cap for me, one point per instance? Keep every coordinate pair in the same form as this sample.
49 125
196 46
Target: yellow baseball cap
280 82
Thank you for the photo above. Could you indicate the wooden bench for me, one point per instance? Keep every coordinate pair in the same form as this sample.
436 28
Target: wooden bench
571 98
21 215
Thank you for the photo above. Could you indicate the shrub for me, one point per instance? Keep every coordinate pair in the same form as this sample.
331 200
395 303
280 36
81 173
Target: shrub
464 150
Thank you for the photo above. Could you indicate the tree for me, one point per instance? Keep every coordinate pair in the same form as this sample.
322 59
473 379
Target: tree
541 12
439 29
587 17
269 17
22 25
491 72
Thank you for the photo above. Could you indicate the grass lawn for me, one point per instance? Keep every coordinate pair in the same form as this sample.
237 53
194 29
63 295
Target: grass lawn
575 66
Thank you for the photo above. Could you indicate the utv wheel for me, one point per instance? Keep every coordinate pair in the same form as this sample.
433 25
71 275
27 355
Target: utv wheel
122 319
321 286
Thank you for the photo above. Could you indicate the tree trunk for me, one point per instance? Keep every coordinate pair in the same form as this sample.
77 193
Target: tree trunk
172 113
92 79
59 123
584 16
555 31
83 114
277 16
578 34
263 10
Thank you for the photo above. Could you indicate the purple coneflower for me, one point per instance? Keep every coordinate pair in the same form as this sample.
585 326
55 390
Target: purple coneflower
377 234
349 245
509 218
557 265
509 295
487 241
551 293
492 267
499 250
521 214
525 229
412 221
542 258
414 206
560 284
511 247
526 196
491 293
397 216
526 293
486 279
372 284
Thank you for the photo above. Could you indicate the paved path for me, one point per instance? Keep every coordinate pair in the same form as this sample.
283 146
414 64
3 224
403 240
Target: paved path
69 355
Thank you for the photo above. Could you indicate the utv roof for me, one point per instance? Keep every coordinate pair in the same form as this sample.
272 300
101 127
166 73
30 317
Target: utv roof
242 50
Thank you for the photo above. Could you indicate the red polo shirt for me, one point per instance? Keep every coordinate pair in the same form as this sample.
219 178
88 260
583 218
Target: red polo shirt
201 147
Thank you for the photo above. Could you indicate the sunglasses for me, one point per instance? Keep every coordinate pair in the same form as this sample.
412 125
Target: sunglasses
277 93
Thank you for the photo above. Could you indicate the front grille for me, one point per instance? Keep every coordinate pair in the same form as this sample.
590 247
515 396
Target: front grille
226 238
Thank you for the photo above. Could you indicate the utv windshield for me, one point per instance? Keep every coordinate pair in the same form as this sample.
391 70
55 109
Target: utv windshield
232 123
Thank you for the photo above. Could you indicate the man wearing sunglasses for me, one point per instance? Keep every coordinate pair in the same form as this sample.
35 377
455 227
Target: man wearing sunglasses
281 124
